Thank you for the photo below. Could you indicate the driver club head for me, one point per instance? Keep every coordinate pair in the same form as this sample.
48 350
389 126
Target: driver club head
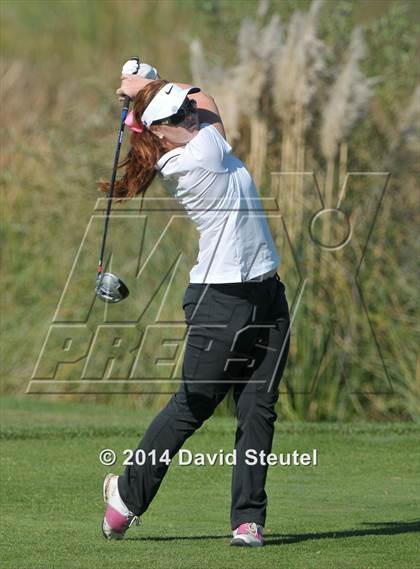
110 288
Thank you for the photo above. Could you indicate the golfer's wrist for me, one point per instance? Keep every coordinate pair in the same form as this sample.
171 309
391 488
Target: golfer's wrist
132 84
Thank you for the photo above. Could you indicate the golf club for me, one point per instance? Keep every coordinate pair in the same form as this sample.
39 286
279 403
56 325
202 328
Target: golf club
109 287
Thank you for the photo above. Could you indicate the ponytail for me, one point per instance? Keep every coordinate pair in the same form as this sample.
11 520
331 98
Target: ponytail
146 149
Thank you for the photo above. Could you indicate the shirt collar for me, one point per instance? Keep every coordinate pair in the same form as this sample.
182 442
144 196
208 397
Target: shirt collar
160 164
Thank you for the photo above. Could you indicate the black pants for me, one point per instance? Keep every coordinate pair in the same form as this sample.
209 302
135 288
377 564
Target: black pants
238 338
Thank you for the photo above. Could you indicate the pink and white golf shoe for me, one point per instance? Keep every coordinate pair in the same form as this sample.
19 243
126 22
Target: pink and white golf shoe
118 517
249 534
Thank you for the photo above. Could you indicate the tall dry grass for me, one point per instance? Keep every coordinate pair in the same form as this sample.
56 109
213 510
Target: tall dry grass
347 104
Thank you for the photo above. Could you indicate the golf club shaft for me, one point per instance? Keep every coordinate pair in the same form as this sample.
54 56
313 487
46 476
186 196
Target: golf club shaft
112 182
110 194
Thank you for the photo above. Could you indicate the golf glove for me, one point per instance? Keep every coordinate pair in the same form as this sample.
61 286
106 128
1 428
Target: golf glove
145 70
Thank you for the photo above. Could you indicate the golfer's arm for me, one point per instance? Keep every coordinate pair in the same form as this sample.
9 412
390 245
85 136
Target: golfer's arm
207 109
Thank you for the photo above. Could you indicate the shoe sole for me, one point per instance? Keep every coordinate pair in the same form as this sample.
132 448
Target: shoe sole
237 542
105 487
103 533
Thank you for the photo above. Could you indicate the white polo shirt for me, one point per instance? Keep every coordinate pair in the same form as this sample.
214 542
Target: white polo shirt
219 195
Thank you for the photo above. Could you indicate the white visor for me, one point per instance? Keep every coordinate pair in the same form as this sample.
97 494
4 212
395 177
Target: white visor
165 103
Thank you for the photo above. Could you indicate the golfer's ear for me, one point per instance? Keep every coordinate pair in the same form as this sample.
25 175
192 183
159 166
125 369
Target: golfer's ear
156 129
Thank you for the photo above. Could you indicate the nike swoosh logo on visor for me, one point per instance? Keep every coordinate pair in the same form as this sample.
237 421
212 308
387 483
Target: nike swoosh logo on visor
169 90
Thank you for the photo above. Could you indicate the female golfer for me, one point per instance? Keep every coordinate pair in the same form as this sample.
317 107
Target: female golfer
235 305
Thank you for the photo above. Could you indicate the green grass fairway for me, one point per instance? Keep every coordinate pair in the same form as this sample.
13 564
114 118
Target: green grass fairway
358 509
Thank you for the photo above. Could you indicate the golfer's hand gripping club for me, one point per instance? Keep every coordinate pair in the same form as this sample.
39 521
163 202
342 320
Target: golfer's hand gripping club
109 287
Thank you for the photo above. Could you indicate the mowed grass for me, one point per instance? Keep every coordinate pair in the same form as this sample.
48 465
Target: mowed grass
359 508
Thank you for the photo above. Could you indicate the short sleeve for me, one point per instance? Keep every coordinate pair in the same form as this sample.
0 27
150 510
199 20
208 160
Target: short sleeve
207 150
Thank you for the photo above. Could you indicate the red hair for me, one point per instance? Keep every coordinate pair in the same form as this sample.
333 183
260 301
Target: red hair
146 149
